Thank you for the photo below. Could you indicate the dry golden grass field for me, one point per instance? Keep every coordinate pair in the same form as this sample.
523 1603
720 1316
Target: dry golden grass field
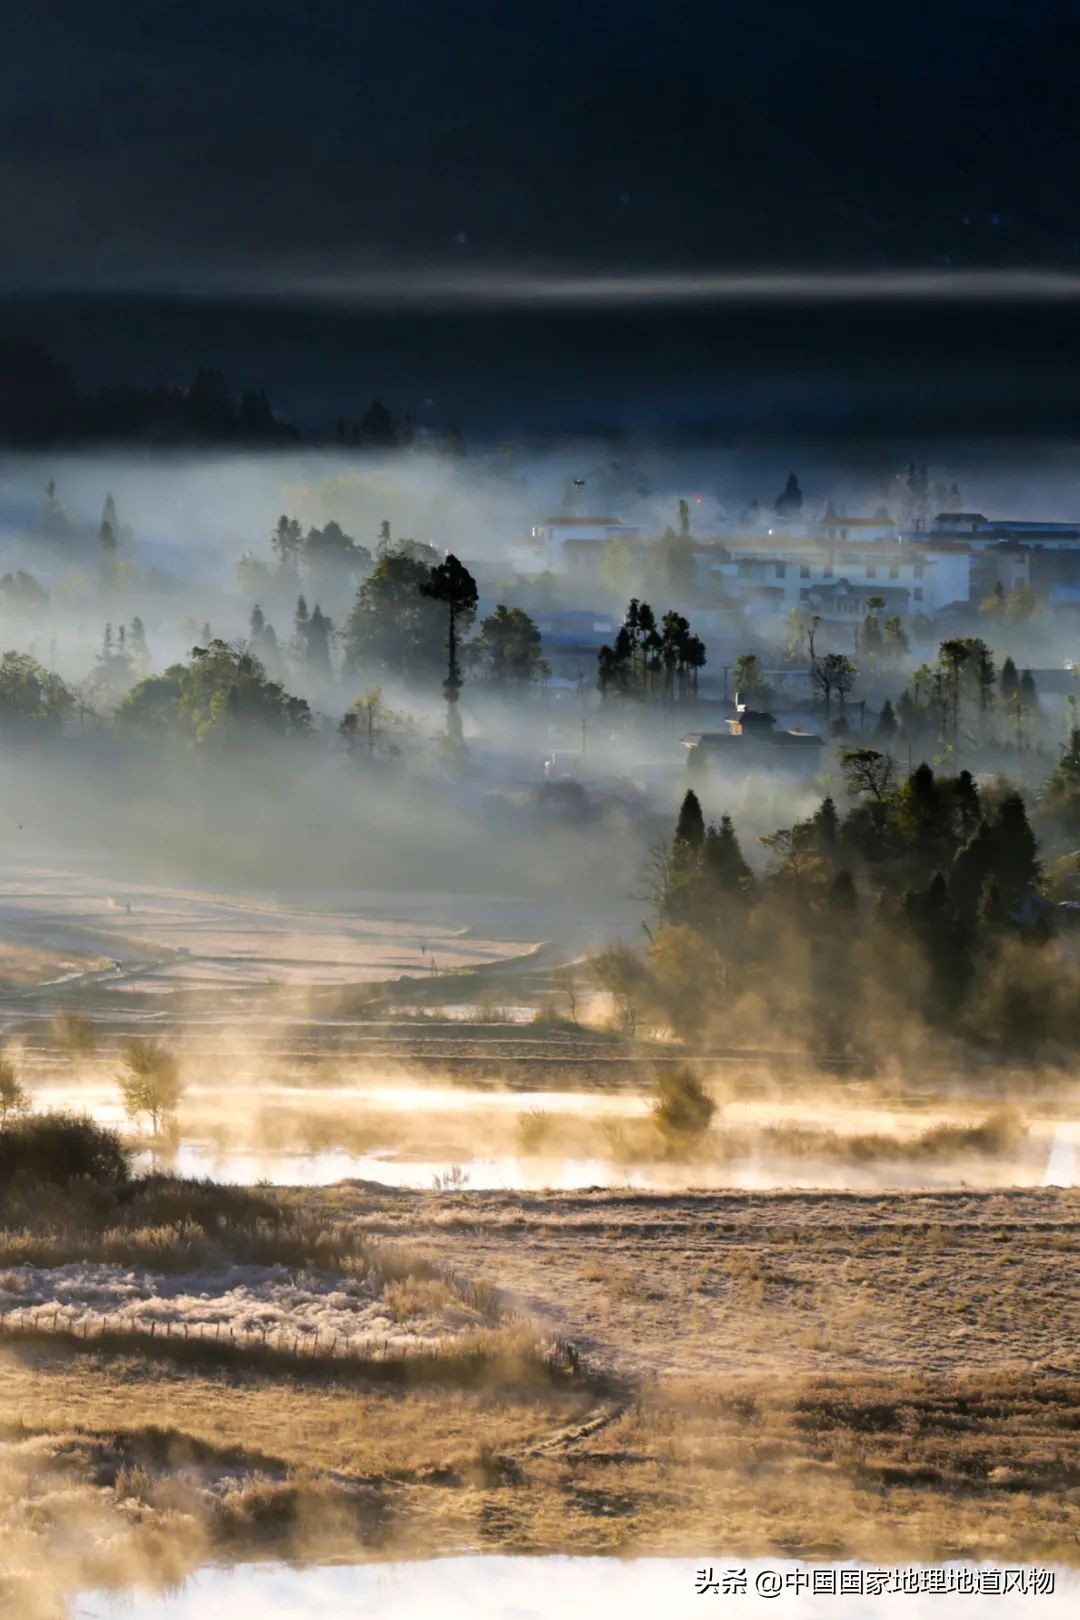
885 1375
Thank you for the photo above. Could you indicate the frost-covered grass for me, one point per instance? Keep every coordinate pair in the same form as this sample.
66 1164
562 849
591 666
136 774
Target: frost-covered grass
239 1300
196 1261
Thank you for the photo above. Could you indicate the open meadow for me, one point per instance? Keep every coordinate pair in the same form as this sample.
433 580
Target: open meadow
486 1299
889 1376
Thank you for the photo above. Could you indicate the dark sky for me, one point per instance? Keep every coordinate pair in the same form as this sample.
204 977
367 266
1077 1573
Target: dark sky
233 159
149 139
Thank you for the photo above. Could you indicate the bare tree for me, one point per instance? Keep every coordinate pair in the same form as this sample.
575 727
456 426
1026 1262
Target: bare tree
619 970
13 1097
566 981
150 1082
868 772
834 675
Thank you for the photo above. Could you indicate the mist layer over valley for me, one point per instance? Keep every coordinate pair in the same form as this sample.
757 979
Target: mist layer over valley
526 1025
241 787
539 810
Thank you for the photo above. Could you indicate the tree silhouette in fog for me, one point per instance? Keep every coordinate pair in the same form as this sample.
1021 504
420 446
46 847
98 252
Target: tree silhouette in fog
393 628
790 499
451 584
507 652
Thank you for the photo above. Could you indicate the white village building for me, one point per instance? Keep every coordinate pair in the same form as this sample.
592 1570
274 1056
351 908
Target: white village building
560 543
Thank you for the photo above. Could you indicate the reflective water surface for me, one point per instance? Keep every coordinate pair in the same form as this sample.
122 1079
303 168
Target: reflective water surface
220 1129
559 1588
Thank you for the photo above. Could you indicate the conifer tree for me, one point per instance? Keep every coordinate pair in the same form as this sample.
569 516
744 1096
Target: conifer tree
887 724
690 827
722 863
451 583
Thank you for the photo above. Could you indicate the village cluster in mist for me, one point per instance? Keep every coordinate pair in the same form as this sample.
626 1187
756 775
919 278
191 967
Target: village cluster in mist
192 559
596 861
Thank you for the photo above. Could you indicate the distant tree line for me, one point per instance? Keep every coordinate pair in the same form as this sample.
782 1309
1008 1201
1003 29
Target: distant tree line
39 404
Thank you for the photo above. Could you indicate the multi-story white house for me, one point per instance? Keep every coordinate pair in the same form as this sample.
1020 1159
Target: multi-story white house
838 526
1018 551
549 539
924 578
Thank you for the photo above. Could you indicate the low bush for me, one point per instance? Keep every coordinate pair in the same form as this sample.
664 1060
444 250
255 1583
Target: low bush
61 1148
682 1107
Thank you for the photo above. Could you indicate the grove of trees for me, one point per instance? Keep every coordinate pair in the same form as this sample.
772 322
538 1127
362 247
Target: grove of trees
651 658
220 699
909 919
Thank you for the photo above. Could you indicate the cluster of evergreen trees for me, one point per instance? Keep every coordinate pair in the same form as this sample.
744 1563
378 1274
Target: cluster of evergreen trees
915 914
963 694
410 620
651 658
397 625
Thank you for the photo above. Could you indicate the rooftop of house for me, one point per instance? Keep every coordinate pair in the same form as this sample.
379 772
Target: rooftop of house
837 520
1035 526
829 589
737 739
572 521
939 543
797 739
770 547
978 522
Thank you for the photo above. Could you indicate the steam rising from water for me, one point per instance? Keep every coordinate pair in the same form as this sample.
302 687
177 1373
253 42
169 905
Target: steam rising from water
524 1588
1062 1169
400 1132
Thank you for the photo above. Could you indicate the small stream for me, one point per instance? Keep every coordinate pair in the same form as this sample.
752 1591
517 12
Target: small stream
522 1173
220 1142
585 1588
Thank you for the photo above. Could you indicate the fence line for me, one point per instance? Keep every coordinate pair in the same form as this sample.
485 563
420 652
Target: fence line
558 1354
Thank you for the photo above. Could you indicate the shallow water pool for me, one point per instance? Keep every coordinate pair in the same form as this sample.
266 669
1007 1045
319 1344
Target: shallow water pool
558 1588
220 1129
